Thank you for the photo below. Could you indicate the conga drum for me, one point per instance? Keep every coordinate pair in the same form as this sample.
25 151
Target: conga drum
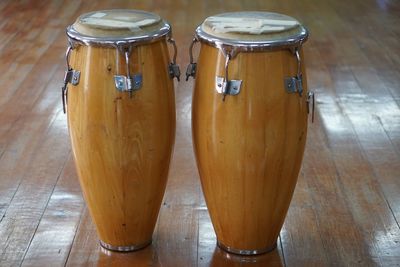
249 123
121 118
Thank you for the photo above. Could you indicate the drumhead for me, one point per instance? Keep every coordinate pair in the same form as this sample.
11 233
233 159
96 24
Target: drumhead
252 29
118 26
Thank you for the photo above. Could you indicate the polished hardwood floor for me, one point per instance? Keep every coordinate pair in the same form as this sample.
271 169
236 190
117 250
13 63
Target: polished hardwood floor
346 206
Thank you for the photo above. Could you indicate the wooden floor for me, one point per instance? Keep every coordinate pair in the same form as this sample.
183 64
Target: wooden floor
346 207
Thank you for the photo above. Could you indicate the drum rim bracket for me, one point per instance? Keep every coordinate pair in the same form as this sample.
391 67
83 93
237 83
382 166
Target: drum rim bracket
192 67
173 68
71 76
129 82
225 86
232 87
294 84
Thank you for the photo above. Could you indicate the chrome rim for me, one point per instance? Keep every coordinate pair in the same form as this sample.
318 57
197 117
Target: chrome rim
124 248
250 46
75 37
245 251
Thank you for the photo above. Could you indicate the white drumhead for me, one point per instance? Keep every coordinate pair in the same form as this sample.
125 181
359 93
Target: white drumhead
118 23
251 26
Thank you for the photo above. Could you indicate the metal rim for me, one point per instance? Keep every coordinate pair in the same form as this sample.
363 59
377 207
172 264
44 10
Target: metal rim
245 251
250 46
124 248
75 37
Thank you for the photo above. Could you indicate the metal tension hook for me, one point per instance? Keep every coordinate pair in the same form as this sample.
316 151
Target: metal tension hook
128 83
173 68
225 86
311 99
192 67
71 76
295 84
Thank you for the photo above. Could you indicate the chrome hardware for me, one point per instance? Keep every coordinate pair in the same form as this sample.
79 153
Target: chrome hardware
311 99
232 88
191 71
71 76
124 248
294 40
173 68
122 83
245 251
174 71
295 84
128 83
226 50
192 67
225 86
150 35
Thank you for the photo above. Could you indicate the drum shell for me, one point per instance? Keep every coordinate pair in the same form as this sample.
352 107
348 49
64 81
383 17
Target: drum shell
122 145
249 147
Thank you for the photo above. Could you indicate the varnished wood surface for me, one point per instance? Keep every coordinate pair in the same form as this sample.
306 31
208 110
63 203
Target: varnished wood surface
345 209
122 144
248 147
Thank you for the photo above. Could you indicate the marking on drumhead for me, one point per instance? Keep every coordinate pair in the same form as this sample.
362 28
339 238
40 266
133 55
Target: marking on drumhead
98 15
258 21
117 23
123 18
249 25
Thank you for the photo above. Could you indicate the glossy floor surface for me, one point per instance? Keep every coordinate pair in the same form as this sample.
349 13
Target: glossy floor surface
346 206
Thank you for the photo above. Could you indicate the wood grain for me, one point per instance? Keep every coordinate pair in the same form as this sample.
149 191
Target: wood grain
122 144
249 147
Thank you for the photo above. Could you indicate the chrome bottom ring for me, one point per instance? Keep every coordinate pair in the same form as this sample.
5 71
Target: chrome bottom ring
124 248
244 251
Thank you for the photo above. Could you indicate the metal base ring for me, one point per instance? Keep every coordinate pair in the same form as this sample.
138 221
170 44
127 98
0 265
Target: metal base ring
244 251
124 248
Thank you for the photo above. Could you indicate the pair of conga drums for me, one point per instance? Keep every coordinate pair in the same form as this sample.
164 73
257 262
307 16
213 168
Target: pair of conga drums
249 121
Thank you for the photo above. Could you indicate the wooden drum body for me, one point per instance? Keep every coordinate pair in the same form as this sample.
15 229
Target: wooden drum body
122 141
248 146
